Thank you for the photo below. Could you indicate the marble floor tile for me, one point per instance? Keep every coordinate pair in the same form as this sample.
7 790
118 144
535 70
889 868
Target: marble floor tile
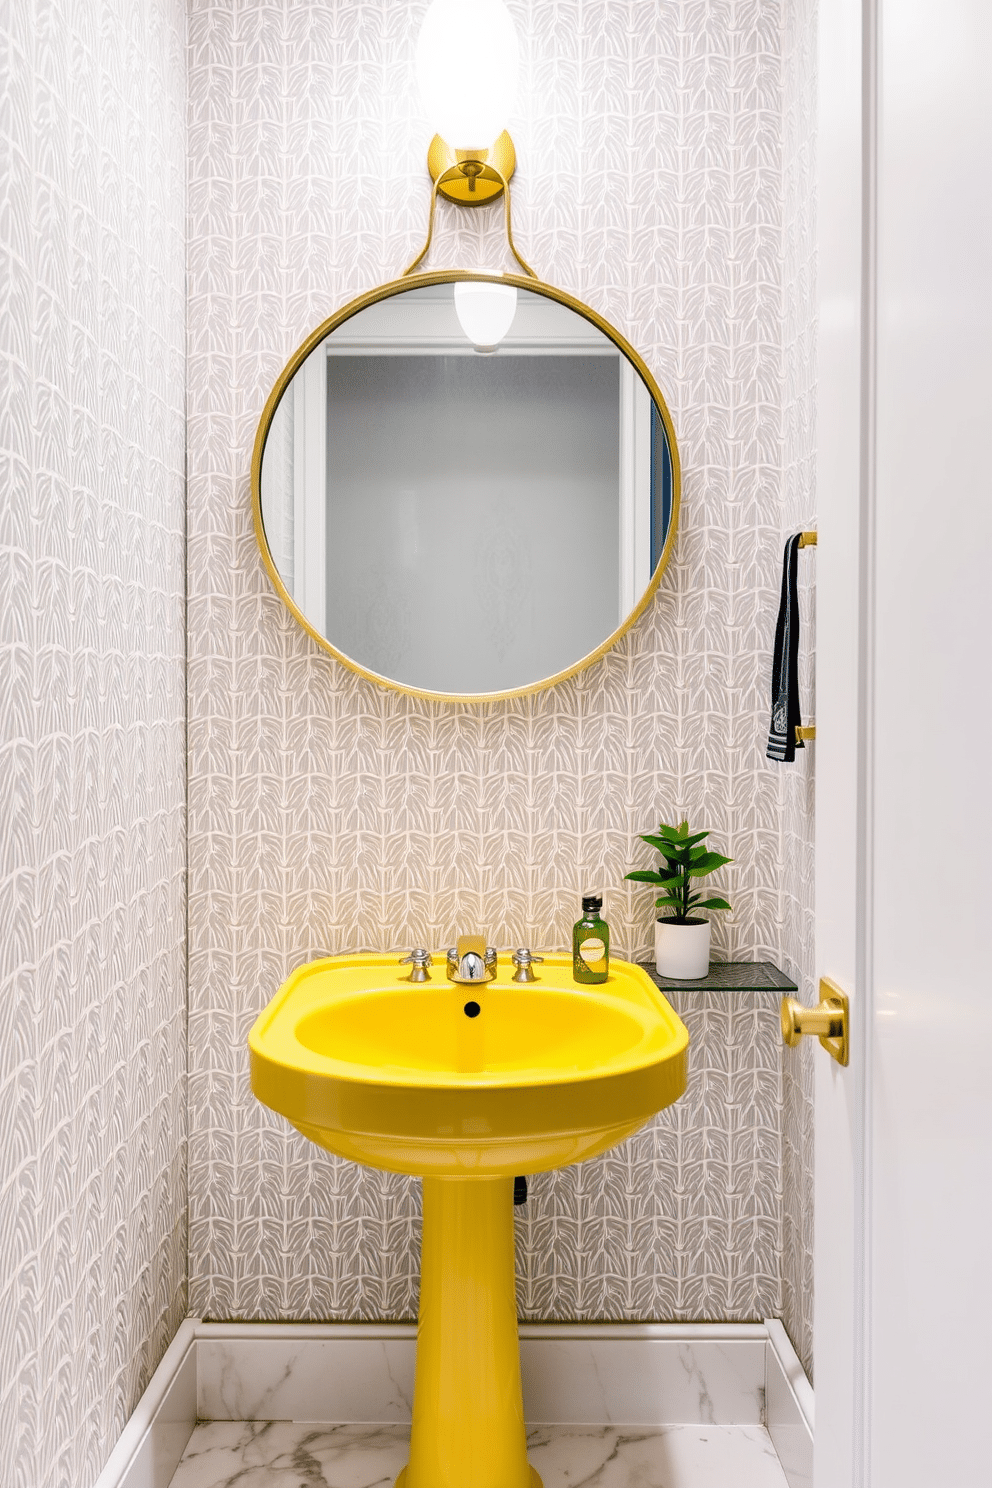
287 1454
666 1457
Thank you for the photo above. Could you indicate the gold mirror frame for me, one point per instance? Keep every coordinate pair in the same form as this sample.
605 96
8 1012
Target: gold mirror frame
421 281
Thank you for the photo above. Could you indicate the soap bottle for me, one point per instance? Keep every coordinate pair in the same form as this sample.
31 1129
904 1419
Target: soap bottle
591 943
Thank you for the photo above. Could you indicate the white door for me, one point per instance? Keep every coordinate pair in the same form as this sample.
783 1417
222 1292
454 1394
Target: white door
904 669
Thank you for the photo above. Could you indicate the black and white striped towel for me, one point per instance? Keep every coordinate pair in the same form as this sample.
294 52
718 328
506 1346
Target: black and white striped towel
782 742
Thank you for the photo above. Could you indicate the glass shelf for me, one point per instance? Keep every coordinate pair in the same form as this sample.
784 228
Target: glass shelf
728 976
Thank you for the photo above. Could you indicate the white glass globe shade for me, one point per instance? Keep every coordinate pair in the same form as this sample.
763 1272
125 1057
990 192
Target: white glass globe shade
485 311
467 64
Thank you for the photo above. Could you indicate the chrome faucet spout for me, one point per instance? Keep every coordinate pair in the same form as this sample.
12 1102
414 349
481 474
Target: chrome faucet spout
471 961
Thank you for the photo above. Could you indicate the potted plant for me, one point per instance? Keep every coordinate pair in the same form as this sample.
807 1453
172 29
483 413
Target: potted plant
682 938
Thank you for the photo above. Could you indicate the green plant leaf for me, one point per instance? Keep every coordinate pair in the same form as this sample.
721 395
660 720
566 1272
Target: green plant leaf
677 836
663 845
682 859
708 863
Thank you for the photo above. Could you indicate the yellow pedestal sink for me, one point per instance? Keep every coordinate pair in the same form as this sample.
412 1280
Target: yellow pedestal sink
466 1087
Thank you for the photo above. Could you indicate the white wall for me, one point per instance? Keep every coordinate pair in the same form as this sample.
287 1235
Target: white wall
92 893
926 634
903 1168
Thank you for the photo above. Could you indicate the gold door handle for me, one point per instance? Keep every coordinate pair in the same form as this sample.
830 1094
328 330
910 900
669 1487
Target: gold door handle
829 1021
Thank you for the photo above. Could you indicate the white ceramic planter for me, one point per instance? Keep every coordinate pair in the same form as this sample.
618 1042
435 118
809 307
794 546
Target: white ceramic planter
682 951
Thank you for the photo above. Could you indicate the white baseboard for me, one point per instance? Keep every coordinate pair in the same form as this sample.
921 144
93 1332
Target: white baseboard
637 1374
789 1413
151 1444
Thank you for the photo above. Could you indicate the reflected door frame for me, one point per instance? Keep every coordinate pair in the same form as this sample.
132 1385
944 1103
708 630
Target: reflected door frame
310 477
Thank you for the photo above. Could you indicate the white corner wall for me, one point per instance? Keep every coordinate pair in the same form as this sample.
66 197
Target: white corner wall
92 890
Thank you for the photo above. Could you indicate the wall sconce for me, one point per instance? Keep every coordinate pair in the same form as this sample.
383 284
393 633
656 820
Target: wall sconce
485 311
467 66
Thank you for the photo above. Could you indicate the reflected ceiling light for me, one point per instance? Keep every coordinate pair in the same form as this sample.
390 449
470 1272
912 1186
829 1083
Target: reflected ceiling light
467 65
485 312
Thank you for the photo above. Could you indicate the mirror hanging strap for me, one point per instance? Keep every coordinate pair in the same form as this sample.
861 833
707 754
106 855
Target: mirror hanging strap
449 173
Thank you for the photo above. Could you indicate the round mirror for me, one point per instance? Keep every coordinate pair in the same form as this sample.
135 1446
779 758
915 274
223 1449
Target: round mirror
466 486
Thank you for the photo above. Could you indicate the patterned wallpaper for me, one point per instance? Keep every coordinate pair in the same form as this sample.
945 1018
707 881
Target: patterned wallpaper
92 956
799 378
327 814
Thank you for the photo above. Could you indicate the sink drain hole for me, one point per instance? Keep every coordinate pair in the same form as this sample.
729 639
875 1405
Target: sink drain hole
472 1010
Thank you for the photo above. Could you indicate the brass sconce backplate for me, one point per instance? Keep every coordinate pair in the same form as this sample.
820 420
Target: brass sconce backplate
829 1021
478 183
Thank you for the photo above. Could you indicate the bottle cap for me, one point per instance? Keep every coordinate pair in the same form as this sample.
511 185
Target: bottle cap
592 901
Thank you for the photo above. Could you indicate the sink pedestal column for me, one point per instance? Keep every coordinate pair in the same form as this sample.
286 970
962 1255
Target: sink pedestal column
468 1418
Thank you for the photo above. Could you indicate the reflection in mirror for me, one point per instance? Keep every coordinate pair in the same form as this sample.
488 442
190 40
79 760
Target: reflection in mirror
460 520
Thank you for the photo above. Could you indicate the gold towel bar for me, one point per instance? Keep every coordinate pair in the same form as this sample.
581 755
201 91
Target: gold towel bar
807 539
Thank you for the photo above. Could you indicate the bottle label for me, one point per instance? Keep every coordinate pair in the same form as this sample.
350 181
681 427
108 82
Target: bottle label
592 950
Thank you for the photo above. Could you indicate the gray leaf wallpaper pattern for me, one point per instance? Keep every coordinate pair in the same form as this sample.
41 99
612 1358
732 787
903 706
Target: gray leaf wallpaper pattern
666 176
799 377
660 179
92 881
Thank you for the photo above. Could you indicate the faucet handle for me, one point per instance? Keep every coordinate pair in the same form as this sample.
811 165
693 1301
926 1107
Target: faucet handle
419 959
523 960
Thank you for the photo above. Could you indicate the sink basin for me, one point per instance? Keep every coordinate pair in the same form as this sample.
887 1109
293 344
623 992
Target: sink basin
466 1086
398 1076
